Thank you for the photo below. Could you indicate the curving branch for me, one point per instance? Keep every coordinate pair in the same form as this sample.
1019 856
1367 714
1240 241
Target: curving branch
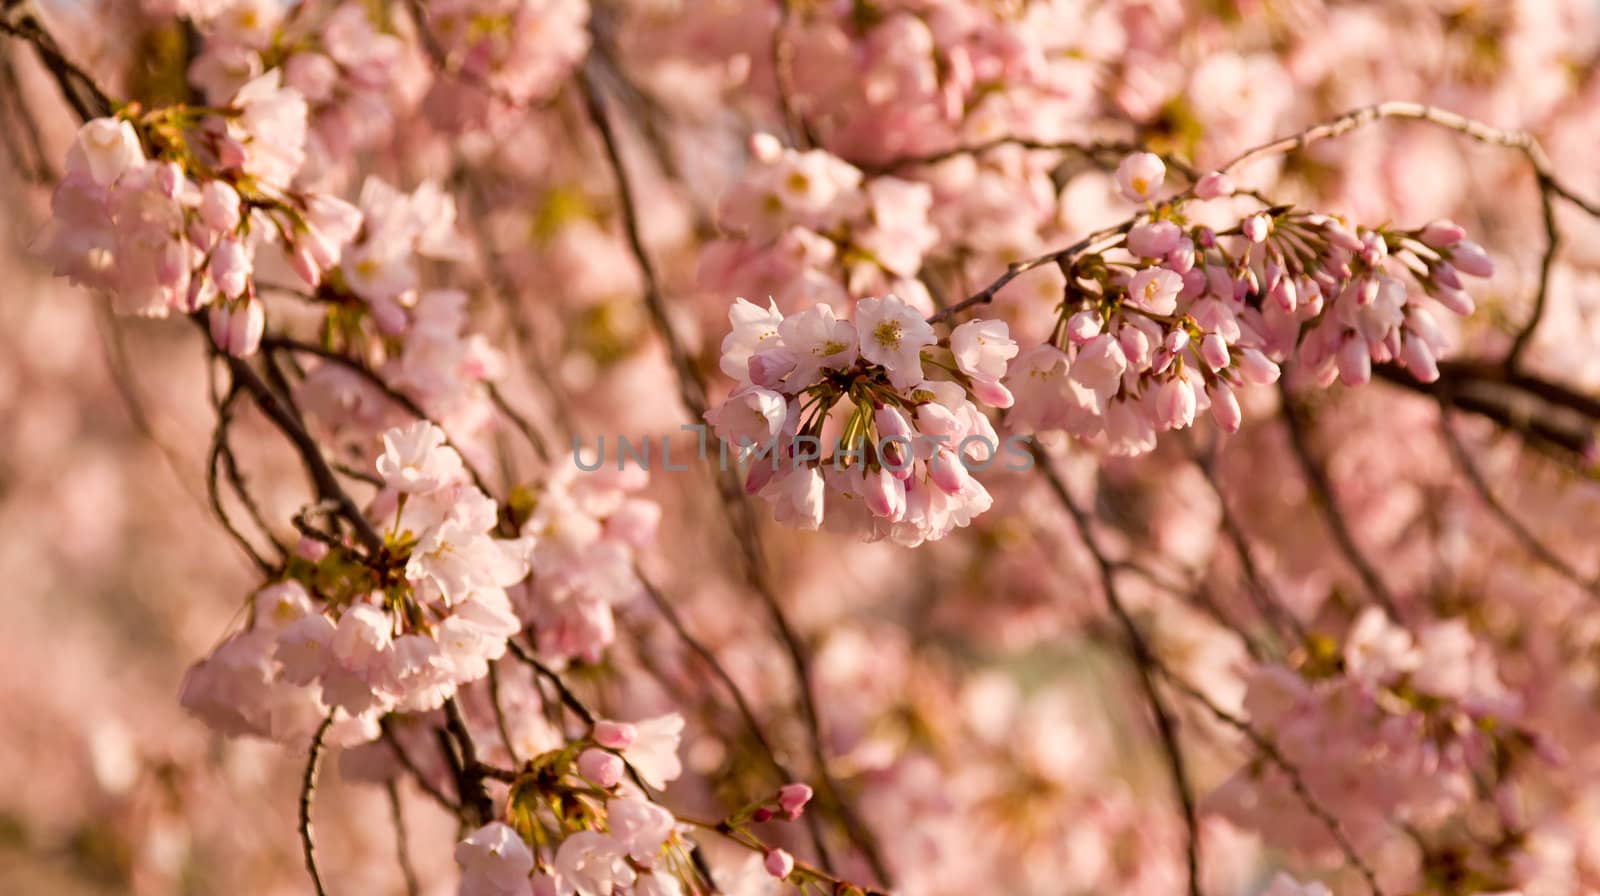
308 792
1322 490
692 392
1145 663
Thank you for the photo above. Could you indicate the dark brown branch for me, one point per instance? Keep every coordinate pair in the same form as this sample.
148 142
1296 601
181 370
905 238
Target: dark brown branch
1268 603
470 775
1552 244
77 86
569 699
408 873
308 790
1322 490
692 392
1530 542
1296 779
1145 665
416 772
270 344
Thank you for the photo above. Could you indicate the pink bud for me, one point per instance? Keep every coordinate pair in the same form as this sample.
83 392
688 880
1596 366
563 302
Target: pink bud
947 472
761 815
305 266
792 798
767 369
1444 273
230 268
1181 259
1470 259
1175 403
779 863
1176 341
169 179
1135 345
1342 238
1287 297
1154 239
310 549
1368 292
1256 228
238 330
885 494
1256 368
219 206
603 768
1224 406
1083 326
1455 300
1214 186
1417 357
992 393
1355 361
1442 234
1214 351
614 735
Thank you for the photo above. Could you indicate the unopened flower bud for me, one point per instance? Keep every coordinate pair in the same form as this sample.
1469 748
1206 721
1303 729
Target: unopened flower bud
603 768
1355 361
1214 351
310 549
1256 227
1083 326
1224 406
761 815
1470 259
238 330
1256 368
1215 185
1442 234
614 735
779 863
792 798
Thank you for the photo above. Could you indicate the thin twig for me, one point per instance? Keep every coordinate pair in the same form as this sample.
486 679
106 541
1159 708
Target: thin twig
1480 484
308 791
1296 779
1322 490
402 851
1145 663
692 392
1552 245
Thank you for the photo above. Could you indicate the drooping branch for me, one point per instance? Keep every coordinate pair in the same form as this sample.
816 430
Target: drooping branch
692 392
1322 491
1145 664
308 792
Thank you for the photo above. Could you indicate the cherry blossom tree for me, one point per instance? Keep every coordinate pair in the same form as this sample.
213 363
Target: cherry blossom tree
815 446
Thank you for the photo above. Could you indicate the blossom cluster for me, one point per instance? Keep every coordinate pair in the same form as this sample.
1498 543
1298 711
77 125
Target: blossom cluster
352 73
502 54
1171 317
1392 728
901 468
176 228
396 633
808 227
586 530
